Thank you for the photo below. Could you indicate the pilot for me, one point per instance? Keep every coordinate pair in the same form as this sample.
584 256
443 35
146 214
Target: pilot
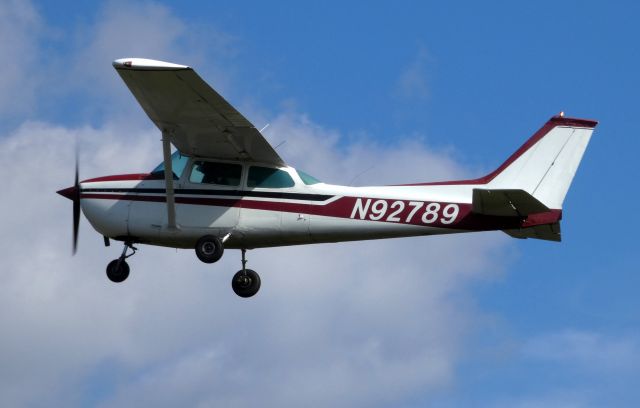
213 174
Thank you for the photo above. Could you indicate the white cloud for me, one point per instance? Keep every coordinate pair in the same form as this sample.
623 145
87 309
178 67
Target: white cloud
412 83
123 30
363 162
54 327
148 30
586 350
353 324
356 324
45 65
20 30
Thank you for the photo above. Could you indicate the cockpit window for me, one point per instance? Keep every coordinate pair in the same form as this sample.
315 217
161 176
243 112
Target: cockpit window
267 177
178 163
222 174
307 179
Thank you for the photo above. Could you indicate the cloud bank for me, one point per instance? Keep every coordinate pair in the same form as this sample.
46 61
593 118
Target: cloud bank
349 324
356 324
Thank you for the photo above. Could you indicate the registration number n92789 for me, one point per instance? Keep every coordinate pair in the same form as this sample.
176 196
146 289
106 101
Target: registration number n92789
410 212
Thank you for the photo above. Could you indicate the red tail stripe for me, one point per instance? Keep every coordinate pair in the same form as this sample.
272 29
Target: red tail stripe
542 132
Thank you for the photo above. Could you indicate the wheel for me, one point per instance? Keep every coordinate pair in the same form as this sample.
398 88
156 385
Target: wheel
117 274
209 249
246 284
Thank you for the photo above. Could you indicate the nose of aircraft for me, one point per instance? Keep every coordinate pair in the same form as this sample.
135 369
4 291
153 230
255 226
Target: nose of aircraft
69 192
73 194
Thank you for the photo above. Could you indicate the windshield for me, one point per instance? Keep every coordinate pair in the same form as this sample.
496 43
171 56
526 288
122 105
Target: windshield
307 179
178 163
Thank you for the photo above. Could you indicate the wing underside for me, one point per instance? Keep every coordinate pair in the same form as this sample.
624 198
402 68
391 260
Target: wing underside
198 121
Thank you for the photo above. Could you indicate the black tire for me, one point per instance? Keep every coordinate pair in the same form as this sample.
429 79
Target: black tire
246 284
209 249
117 274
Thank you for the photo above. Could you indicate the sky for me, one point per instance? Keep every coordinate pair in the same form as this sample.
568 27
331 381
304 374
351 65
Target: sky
360 93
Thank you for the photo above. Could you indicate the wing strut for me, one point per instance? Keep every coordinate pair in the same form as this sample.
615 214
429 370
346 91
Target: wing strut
168 180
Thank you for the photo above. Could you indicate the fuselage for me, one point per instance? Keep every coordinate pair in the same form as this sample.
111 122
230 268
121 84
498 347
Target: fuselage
286 207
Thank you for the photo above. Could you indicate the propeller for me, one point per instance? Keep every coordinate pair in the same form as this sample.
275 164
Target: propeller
73 194
76 208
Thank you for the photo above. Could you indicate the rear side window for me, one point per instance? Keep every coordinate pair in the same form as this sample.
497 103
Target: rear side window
267 177
222 174
307 179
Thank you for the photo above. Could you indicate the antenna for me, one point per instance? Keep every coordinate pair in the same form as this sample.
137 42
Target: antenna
360 174
265 126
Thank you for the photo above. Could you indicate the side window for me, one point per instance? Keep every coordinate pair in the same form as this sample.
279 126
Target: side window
307 179
222 174
267 177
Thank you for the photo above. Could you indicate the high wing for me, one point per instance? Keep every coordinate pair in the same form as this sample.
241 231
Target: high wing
197 120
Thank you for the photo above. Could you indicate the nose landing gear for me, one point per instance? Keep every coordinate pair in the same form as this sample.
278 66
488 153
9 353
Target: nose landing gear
118 269
245 282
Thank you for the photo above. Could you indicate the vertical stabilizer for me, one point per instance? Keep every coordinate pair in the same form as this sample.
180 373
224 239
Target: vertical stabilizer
546 164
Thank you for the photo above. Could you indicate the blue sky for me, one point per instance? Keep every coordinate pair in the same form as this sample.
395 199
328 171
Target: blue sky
453 88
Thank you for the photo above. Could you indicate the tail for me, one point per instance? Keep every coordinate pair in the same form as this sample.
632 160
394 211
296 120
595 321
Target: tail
546 164
534 181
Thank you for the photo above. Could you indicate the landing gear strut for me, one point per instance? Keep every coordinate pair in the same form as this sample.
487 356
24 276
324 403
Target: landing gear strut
118 269
246 282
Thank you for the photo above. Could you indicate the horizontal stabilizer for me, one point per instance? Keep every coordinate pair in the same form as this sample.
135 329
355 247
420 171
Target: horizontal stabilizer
548 232
506 203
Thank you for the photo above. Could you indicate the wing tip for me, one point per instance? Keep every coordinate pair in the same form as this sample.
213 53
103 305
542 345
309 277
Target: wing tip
146 64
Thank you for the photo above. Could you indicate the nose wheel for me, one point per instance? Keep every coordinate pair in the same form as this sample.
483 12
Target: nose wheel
118 269
245 282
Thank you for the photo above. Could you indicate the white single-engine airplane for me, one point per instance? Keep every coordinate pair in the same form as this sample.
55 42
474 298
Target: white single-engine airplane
226 187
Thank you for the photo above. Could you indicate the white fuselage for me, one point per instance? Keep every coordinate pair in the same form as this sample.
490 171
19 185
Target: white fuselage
133 207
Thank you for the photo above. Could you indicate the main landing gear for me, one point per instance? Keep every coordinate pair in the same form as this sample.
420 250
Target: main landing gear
118 269
209 249
245 282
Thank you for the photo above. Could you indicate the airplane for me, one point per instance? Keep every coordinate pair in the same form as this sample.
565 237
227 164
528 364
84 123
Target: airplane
225 187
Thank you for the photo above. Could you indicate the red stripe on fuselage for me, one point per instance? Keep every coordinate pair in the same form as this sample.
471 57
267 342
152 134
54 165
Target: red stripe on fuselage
542 132
125 177
344 208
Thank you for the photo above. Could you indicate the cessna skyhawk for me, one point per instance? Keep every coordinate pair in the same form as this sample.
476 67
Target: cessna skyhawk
225 187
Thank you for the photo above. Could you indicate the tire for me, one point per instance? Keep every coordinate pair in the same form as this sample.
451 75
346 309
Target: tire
209 249
246 285
117 274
